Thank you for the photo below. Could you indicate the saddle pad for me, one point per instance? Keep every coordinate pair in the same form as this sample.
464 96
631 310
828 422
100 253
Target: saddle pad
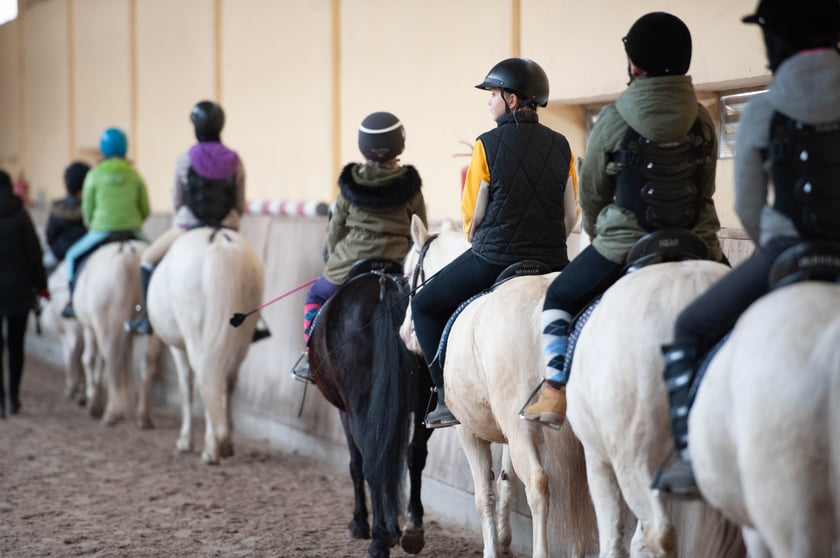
703 366
444 338
577 326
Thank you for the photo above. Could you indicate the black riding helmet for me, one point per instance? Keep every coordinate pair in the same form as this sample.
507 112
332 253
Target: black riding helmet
521 76
208 119
789 27
660 44
381 137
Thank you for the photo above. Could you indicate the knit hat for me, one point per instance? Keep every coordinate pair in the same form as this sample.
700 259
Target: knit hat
660 44
74 177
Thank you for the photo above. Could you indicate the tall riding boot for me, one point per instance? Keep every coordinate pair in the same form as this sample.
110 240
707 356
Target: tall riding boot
67 311
141 324
549 408
440 416
680 366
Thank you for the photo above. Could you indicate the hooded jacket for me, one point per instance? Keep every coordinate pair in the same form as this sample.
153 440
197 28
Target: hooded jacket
114 197
805 87
661 109
372 216
21 269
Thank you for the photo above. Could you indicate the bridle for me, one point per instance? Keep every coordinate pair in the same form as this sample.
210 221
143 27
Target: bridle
419 272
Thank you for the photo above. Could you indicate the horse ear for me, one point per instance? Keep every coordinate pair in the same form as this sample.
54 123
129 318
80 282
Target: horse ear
419 233
448 225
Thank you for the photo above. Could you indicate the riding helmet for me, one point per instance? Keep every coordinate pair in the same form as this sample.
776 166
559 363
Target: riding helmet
789 27
208 119
660 44
113 143
521 76
381 137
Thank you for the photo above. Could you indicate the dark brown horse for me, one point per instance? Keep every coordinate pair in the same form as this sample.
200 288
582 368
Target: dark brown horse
361 366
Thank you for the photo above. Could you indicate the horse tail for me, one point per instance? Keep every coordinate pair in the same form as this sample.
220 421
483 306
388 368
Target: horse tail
390 407
572 523
704 532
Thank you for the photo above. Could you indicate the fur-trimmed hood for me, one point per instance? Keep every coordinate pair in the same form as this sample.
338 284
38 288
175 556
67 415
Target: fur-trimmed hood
377 188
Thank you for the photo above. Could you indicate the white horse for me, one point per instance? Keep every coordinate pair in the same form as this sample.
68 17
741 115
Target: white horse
493 360
618 407
107 291
68 331
206 277
763 432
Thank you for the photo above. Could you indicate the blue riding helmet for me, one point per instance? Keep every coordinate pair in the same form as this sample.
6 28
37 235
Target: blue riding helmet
113 143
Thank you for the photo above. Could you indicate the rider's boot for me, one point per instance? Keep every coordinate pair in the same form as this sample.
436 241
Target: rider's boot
141 323
67 311
440 416
549 409
680 364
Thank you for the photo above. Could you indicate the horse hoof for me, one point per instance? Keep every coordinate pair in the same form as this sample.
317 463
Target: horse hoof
359 530
183 447
378 550
145 423
412 541
226 449
111 420
209 459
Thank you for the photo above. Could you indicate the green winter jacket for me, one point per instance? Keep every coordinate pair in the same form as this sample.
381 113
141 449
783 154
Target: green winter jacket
372 217
661 109
114 197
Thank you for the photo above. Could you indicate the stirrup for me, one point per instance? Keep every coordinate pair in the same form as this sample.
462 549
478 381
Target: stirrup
446 418
68 311
533 399
300 371
680 470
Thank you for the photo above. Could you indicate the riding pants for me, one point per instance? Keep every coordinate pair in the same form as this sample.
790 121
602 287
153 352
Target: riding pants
320 291
154 253
703 322
434 304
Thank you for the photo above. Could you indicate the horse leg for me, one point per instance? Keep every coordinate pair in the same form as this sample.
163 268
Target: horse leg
505 491
144 417
185 383
71 348
359 527
412 540
525 457
606 497
226 443
213 390
91 364
118 375
481 466
755 544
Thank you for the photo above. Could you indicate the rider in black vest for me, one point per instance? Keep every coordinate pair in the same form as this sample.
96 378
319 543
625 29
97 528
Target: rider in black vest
209 191
517 203
649 164
794 129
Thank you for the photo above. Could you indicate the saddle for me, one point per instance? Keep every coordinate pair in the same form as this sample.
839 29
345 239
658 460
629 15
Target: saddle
384 267
113 236
518 269
806 261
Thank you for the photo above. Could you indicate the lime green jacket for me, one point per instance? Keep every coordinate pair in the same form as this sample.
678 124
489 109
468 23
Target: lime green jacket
114 197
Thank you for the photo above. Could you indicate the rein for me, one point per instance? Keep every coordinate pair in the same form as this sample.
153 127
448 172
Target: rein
419 272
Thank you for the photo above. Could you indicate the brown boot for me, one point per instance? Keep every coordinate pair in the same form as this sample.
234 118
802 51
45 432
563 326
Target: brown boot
550 408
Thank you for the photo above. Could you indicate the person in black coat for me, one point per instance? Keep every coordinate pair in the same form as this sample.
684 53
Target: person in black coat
22 277
65 224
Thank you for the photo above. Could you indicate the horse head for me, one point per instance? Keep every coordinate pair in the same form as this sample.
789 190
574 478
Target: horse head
428 255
